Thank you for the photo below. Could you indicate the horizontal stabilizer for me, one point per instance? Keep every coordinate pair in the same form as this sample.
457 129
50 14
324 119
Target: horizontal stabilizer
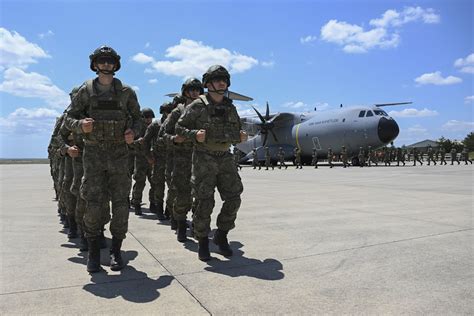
391 104
230 94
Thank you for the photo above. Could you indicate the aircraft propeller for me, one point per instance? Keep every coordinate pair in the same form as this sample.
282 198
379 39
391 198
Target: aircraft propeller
266 124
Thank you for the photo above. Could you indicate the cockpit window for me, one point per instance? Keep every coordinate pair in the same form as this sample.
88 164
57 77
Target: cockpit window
369 113
380 112
362 113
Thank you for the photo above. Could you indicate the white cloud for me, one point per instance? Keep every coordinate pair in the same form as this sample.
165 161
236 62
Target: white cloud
268 64
465 65
409 14
16 51
295 105
47 34
417 129
436 79
455 125
29 121
153 81
33 85
384 33
308 39
469 99
192 59
142 58
413 113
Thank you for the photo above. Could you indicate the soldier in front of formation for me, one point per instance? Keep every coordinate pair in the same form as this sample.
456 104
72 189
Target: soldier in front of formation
268 159
213 124
106 113
314 158
297 155
281 158
182 146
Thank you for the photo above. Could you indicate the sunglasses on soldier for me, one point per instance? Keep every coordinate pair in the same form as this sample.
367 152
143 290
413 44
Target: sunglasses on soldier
106 59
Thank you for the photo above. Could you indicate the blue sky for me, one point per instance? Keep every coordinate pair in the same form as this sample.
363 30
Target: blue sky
296 55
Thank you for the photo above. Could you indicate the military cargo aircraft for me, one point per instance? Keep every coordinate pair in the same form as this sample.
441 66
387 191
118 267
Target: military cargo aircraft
352 127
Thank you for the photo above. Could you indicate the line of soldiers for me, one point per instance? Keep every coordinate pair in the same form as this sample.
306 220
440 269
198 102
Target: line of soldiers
103 139
385 155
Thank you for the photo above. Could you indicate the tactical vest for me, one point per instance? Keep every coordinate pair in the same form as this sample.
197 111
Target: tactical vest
109 112
223 125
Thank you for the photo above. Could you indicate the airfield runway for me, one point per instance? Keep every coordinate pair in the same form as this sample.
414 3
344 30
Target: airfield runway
383 240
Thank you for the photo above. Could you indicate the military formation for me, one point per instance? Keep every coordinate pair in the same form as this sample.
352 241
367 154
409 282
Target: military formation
104 139
387 156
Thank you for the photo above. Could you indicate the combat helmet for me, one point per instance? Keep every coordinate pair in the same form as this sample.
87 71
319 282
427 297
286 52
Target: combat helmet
216 71
192 83
104 51
147 113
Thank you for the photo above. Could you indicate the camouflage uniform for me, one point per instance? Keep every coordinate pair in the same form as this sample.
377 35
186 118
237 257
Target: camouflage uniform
281 158
386 156
213 164
454 156
430 156
442 156
255 162
361 157
343 156
142 171
155 149
400 156
297 154
268 157
465 156
330 154
416 157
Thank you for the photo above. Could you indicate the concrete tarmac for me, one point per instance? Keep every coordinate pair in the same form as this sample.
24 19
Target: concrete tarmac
380 240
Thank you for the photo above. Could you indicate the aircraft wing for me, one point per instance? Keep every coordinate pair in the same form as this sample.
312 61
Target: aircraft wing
391 104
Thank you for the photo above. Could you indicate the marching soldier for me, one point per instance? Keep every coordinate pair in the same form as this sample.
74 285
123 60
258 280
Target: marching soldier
314 158
330 155
297 154
268 157
281 158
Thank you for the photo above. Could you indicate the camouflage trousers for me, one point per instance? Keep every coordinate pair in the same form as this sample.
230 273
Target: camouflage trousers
59 184
142 171
158 175
314 161
80 202
255 163
208 172
181 182
106 177
68 199
171 193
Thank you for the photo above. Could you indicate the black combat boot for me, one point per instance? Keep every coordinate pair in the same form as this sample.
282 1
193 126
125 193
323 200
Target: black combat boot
159 212
203 252
93 259
72 228
181 233
220 239
153 208
138 209
167 212
116 261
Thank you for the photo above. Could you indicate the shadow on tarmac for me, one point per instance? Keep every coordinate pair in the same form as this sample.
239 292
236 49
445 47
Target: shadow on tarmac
238 265
131 284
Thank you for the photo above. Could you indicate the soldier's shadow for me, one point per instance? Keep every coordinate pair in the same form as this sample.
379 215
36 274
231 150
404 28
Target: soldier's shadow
131 284
238 265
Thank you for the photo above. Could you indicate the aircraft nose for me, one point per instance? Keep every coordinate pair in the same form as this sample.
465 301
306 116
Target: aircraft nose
388 130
